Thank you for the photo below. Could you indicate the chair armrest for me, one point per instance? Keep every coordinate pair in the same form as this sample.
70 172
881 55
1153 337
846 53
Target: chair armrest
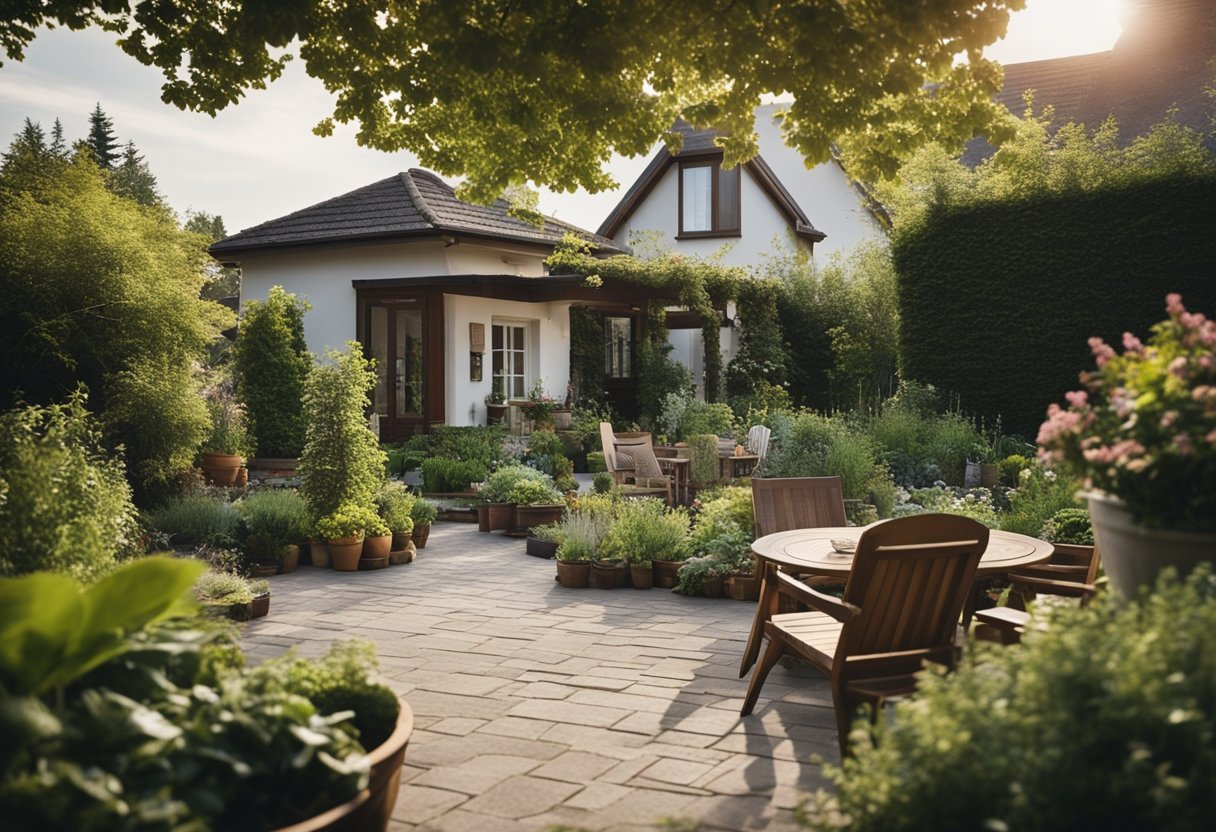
836 608
1069 589
1003 618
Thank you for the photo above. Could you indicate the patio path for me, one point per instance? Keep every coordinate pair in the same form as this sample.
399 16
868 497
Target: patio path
538 705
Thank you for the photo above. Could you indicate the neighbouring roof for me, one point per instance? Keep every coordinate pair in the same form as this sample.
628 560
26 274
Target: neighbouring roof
701 143
413 204
1160 62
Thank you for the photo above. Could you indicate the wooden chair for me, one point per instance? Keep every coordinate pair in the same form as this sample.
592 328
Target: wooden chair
645 465
900 609
620 469
781 504
1070 573
757 443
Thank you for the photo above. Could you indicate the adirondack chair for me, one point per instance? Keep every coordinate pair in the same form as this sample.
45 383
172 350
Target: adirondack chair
757 443
1070 573
901 608
781 504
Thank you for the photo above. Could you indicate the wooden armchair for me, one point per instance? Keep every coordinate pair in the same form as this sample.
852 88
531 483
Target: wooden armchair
781 504
1070 573
901 607
645 465
619 468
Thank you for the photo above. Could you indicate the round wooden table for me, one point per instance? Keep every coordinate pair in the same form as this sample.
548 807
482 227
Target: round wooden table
809 551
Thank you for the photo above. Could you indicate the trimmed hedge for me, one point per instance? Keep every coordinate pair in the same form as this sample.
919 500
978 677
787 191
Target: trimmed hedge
998 300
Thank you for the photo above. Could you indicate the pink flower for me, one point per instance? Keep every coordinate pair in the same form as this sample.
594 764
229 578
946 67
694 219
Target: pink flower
1102 351
1131 343
1168 418
1077 398
1177 367
1211 438
1173 304
1192 320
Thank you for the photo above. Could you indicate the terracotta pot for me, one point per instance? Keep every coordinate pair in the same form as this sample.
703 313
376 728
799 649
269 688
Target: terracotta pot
399 540
318 552
609 574
573 573
421 532
500 516
665 572
372 808
221 469
290 560
712 588
265 570
367 564
405 554
378 546
642 576
528 516
538 548
260 606
495 413
344 553
1133 555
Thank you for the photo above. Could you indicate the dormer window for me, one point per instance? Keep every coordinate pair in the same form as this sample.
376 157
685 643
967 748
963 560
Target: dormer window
709 199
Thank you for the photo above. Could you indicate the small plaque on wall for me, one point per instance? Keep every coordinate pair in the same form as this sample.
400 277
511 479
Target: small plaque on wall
477 337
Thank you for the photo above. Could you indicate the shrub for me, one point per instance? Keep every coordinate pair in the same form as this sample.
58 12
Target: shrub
272 364
64 503
479 444
705 466
196 519
975 503
423 511
810 445
720 506
222 589
350 520
1101 720
342 461
533 493
696 571
951 440
1069 525
601 483
441 475
272 518
717 419
646 530
395 503
500 485
581 533
1041 492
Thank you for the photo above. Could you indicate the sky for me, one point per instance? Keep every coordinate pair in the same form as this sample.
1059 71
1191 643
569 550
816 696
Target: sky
259 160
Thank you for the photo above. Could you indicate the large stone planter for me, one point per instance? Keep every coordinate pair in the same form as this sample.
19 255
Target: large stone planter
1133 555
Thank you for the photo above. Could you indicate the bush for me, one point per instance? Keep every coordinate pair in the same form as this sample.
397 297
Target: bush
395 504
272 364
272 519
196 519
350 520
601 483
951 441
1041 492
503 483
646 530
342 461
65 504
222 589
700 417
441 475
705 466
581 534
423 511
1101 720
1069 525
469 444
810 445
533 493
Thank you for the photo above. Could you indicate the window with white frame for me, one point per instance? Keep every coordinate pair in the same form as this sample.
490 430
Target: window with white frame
509 357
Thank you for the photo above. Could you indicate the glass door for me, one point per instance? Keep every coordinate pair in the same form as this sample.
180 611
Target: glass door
396 341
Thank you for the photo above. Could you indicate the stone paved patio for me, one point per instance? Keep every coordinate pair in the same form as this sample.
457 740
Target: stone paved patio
539 705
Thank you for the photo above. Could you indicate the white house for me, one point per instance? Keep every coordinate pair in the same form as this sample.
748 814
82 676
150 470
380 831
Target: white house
693 205
444 294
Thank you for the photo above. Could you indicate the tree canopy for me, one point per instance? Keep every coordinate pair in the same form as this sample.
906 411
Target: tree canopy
545 90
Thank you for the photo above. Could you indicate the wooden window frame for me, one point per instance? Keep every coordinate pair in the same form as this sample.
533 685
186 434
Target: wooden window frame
716 229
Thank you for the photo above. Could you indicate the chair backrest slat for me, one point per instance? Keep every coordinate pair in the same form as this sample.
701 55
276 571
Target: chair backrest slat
639 449
608 441
757 440
785 503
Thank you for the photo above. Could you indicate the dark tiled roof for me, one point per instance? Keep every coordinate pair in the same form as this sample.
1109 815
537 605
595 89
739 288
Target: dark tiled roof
413 204
1160 61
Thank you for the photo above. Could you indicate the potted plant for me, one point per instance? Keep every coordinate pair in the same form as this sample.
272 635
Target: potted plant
496 401
260 606
581 533
1143 435
225 594
423 513
536 503
539 407
272 521
544 540
498 510
228 440
705 468
343 530
377 542
394 502
702 575
646 530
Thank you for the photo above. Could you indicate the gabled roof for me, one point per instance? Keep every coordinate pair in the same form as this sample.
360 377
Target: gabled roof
413 204
1160 61
699 144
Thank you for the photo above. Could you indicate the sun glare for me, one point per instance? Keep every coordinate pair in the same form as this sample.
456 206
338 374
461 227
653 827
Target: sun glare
1055 28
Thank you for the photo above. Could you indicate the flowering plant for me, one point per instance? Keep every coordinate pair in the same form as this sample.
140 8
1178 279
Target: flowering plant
1144 427
539 406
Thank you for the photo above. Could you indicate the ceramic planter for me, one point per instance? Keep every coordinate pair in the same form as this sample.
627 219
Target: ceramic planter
665 572
221 469
538 548
1133 555
495 413
421 532
378 546
573 573
290 560
344 553
641 576
318 552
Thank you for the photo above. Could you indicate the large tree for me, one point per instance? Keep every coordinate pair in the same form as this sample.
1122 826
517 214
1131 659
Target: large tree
546 90
101 141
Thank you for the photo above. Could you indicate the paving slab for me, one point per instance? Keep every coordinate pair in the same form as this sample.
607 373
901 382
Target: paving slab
537 705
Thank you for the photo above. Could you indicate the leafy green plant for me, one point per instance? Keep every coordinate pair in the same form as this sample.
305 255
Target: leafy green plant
696 571
272 518
51 632
470 444
222 589
350 520
394 502
196 519
442 475
229 432
272 364
705 467
1041 492
499 486
1102 719
533 493
975 503
811 445
601 483
423 511
646 530
706 418
342 461
1069 525
581 534
64 502
548 531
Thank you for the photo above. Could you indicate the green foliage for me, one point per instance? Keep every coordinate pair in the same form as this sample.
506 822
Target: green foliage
811 445
546 453
423 511
702 418
52 632
441 475
503 483
469 444
761 358
646 530
601 483
1113 254
727 504
272 364
195 519
272 519
610 79
342 461
1069 525
350 520
951 439
705 466
64 502
222 589
723 530
119 312
587 361
975 503
696 571
583 529
1041 492
395 504
533 493
1101 720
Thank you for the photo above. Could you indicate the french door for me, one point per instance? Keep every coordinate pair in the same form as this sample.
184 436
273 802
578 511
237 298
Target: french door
395 336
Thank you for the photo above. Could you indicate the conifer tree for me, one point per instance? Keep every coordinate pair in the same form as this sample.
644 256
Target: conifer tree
134 179
101 141
58 146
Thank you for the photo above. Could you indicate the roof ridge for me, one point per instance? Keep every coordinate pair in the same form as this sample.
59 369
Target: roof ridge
415 195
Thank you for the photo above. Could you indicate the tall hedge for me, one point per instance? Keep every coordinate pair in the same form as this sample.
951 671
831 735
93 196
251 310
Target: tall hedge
272 363
997 300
